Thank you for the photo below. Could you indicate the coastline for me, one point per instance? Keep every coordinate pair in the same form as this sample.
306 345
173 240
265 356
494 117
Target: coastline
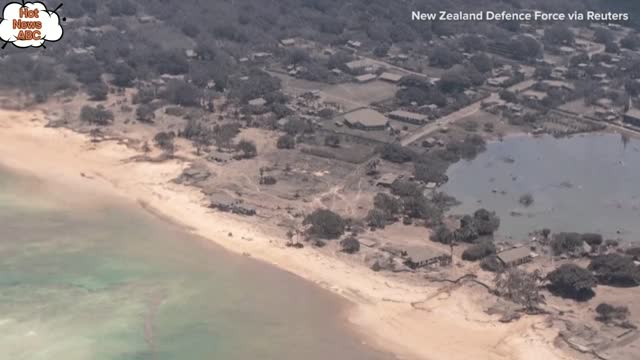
448 325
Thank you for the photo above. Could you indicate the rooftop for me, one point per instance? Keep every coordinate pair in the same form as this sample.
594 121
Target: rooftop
365 77
407 115
366 117
511 255
390 77
422 253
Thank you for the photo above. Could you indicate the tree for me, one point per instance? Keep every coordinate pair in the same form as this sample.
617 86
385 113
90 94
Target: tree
608 313
182 93
565 243
603 36
350 245
592 239
442 234
631 42
486 222
164 141
444 57
396 153
121 8
247 148
325 224
616 270
520 287
572 281
332 140
492 264
98 91
388 204
558 34
526 200
96 115
286 142
190 29
479 251
123 75
376 218
525 47
145 113
472 43
482 62
381 50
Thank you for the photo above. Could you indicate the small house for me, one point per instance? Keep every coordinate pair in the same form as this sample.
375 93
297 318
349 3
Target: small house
390 77
423 256
410 117
386 180
288 42
514 257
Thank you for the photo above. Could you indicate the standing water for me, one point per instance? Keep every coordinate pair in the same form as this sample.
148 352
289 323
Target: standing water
114 283
586 183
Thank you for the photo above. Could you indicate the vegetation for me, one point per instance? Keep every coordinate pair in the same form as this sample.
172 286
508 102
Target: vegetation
566 243
526 200
479 251
165 141
608 313
325 224
350 245
96 115
520 287
286 142
615 270
396 153
572 281
247 149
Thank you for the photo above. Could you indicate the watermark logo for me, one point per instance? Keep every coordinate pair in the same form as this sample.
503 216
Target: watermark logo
29 24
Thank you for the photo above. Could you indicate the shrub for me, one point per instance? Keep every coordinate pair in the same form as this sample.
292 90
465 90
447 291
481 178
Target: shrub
479 251
332 140
442 234
526 200
350 245
608 313
247 148
491 264
572 281
145 113
96 115
396 153
592 239
325 224
486 222
565 243
376 218
164 141
286 142
615 270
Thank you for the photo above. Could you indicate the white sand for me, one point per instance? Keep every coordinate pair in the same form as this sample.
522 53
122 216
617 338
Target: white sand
449 326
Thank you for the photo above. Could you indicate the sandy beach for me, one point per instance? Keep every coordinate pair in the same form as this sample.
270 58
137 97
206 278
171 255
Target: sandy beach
443 325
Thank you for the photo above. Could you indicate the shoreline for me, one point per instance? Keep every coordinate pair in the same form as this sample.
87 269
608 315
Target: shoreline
449 325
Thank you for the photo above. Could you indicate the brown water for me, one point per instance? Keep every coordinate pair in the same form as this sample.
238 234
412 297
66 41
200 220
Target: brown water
115 283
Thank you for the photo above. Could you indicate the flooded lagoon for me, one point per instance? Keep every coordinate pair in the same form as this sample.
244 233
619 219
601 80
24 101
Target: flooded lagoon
585 183
114 283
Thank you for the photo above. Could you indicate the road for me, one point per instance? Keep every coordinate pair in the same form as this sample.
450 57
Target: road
446 120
